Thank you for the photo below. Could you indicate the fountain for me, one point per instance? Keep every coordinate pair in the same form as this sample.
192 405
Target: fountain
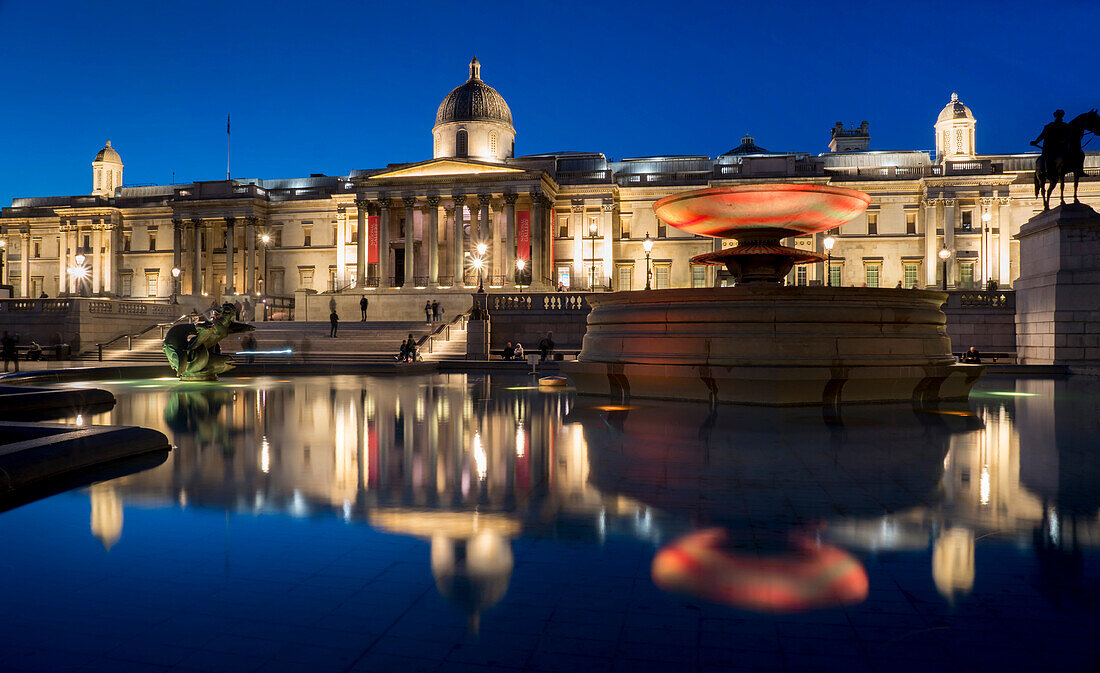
759 342
192 349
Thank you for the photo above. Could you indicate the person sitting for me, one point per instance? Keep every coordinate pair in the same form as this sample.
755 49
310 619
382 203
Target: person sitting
34 352
972 356
509 351
402 353
519 351
410 349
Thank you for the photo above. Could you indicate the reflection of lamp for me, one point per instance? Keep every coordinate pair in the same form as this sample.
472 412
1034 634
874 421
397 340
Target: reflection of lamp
647 244
945 254
479 261
829 243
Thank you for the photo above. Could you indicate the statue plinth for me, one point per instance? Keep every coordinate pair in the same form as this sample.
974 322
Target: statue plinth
1057 310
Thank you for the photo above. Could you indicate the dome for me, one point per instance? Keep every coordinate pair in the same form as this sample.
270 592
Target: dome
748 146
474 101
108 154
954 110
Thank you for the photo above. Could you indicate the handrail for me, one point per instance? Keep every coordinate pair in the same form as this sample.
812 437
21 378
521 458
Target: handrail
443 327
130 337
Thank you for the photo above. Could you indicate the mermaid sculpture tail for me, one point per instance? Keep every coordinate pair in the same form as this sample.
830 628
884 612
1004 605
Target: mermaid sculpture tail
190 348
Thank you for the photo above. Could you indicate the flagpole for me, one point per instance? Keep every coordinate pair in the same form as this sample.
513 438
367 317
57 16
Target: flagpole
227 147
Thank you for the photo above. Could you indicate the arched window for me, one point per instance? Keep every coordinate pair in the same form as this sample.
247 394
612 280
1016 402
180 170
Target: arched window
959 147
492 143
462 143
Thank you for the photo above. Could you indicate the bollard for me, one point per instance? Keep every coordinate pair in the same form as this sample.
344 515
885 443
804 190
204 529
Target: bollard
129 342
99 347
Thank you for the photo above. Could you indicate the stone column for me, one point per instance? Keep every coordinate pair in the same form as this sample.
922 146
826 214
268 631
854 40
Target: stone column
196 258
230 230
97 260
950 205
341 251
433 240
62 260
986 259
1004 238
250 258
177 249
930 243
608 249
579 278
384 203
25 263
537 256
108 257
509 261
459 242
410 240
361 243
485 235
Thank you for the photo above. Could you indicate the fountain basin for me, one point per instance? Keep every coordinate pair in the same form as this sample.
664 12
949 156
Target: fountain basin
770 345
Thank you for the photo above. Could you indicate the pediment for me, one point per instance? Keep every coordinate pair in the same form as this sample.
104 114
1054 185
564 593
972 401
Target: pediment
445 167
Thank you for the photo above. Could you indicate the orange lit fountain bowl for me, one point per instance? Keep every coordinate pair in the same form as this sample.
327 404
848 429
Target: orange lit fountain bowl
758 216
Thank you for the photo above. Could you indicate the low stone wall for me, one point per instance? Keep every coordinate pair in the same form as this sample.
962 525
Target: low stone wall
387 305
527 317
79 321
985 320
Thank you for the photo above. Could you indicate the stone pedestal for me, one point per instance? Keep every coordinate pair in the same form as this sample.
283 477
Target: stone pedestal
1058 291
477 340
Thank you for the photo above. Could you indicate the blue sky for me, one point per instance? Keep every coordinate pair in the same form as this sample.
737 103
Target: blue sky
331 87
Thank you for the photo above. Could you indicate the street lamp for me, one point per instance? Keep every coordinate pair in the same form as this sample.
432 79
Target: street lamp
78 272
265 239
593 229
647 245
945 254
829 243
175 283
520 263
986 241
3 248
479 261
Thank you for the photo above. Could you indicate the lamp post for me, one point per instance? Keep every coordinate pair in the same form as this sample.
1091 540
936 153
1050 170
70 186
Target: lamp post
3 249
175 284
520 263
647 245
479 261
986 244
593 229
829 243
945 254
265 239
77 272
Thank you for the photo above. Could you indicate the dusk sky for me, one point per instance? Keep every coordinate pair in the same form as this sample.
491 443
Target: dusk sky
332 87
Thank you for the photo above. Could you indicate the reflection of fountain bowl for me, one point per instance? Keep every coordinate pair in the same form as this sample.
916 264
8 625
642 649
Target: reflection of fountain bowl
758 216
762 344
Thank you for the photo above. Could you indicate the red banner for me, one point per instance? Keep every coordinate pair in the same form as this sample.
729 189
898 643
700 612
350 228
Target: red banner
372 239
523 236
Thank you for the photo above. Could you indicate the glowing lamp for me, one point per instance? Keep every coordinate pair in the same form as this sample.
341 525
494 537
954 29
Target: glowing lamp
829 242
265 238
481 248
520 263
944 254
647 244
79 259
175 272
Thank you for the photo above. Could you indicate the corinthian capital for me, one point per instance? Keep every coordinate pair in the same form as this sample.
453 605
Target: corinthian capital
433 200
410 201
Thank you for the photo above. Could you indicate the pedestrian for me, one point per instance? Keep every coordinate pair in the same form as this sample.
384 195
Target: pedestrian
561 286
427 311
546 346
250 347
899 285
972 356
363 308
410 349
7 350
333 320
435 311
441 311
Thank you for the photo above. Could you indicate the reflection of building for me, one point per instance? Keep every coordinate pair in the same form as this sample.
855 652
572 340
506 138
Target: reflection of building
574 216
953 562
106 514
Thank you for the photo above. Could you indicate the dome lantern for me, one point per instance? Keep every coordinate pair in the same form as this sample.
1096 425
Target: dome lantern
955 132
106 171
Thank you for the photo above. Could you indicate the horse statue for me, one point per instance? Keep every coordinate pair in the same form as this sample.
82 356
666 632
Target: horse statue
192 349
1062 153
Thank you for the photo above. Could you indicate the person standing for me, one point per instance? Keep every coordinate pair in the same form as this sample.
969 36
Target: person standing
427 311
435 310
7 350
333 320
546 346
363 308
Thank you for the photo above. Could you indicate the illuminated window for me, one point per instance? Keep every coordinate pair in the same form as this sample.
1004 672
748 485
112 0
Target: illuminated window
307 236
872 224
305 278
462 141
800 275
871 274
624 227
662 229
626 277
126 243
967 220
699 275
152 242
966 274
834 274
36 251
911 223
563 274
662 274
126 284
563 227
911 271
152 279
492 143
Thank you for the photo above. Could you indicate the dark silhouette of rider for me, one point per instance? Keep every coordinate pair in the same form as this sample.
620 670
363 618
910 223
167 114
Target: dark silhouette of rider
1056 135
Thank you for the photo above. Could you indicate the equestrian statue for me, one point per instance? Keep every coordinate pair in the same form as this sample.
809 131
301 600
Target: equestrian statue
193 351
1062 153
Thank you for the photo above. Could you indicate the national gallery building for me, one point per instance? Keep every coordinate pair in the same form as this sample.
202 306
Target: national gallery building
578 218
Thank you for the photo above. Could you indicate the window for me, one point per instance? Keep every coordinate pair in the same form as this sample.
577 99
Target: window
36 286
87 241
966 275
594 273
152 242
305 278
911 223
834 274
910 273
307 236
872 224
624 227
625 278
126 243
335 231
967 220
563 227
277 237
126 285
492 143
276 282
662 229
152 278
871 274
36 251
563 274
800 277
662 275
352 231
462 140
332 279
699 275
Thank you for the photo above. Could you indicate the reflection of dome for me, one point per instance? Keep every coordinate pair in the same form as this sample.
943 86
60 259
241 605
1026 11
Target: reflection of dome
953 562
108 154
472 574
106 515
954 110
474 101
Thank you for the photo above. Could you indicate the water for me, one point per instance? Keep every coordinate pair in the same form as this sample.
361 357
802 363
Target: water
461 522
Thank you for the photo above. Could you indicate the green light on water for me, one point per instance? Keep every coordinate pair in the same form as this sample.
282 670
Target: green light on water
1013 394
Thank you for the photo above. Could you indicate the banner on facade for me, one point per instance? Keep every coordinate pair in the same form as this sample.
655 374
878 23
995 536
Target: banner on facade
372 239
523 236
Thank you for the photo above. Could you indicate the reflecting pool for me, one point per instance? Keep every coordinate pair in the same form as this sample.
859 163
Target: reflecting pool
475 522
